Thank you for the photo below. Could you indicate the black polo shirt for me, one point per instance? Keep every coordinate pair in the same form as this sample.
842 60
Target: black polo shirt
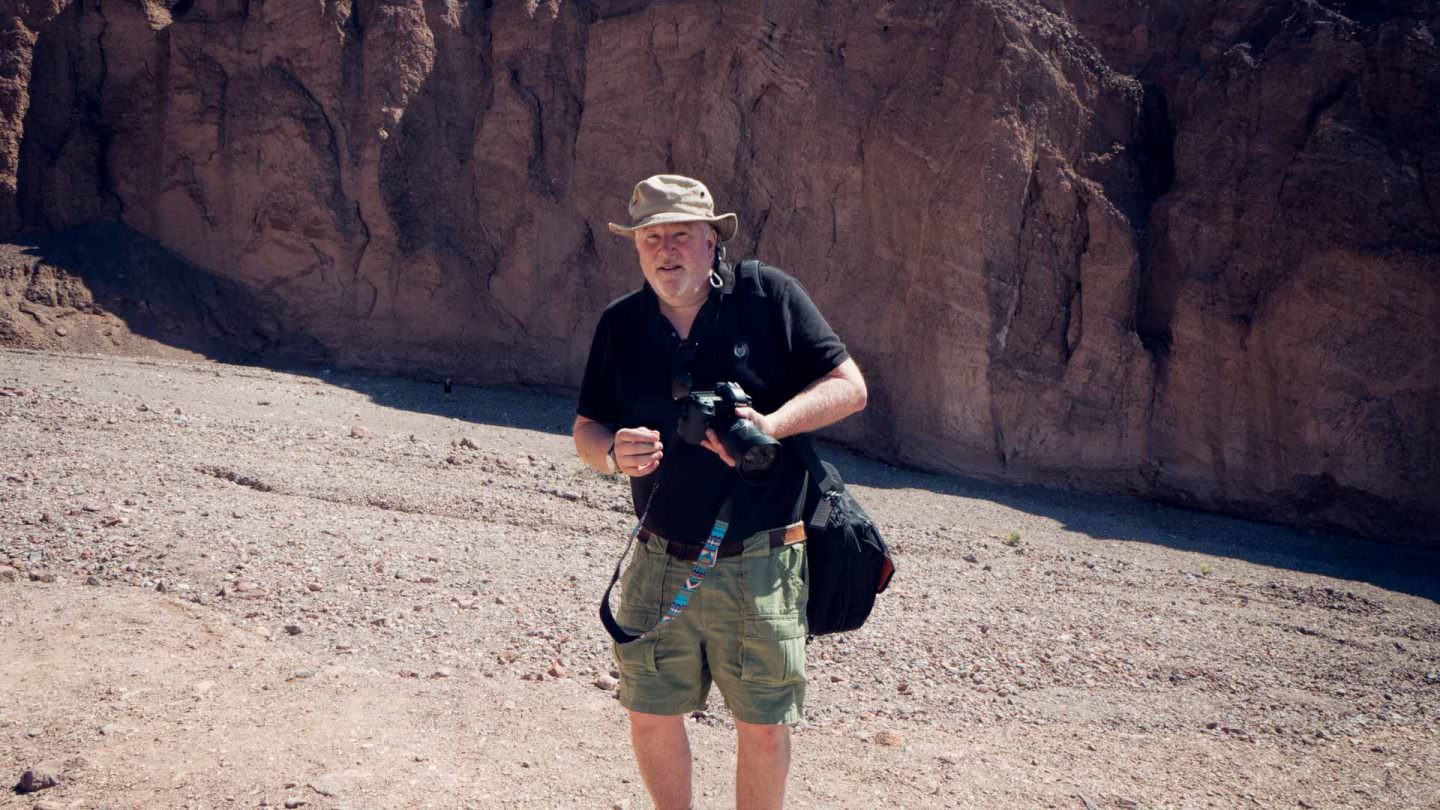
760 330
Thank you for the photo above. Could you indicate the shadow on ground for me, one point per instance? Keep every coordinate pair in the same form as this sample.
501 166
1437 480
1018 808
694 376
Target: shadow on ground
109 269
1119 518
1403 569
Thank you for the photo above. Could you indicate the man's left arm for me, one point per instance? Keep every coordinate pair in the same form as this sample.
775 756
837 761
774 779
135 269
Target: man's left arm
823 402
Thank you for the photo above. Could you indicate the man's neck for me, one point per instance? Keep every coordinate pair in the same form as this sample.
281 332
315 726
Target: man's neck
682 318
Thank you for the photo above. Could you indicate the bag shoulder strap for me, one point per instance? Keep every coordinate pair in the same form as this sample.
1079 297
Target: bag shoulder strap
818 474
748 272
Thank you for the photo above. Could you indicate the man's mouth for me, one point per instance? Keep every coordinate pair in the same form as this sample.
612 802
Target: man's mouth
666 268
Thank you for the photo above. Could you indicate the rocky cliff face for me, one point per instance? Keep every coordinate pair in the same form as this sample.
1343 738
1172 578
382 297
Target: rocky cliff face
1187 250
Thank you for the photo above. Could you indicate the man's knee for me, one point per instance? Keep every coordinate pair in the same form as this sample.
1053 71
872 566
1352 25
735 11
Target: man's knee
767 739
649 725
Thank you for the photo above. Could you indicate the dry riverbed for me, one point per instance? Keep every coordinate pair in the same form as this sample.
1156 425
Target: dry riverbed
228 587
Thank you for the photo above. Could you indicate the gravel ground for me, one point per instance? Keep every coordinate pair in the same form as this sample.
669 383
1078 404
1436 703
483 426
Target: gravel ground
225 586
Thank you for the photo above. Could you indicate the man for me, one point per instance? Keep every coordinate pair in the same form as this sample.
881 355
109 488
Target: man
694 323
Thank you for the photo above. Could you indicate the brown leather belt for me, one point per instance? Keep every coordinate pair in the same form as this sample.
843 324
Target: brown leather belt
794 533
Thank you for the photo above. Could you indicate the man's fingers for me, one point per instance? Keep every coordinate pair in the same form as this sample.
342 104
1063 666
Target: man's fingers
712 443
637 442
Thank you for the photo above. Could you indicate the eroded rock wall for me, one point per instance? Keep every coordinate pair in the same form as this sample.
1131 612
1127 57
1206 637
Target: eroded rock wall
1185 250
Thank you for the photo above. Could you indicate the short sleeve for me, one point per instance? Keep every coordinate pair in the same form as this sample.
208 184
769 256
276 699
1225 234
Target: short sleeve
598 396
815 349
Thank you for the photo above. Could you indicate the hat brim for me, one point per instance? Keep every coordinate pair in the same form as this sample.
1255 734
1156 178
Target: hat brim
725 224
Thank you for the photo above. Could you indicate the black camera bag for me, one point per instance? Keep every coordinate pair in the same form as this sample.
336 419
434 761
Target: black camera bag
848 561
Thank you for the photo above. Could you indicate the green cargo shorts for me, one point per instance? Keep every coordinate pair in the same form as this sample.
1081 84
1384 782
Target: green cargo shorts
744 629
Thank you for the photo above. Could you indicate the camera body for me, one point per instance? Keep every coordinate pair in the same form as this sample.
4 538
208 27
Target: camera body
756 454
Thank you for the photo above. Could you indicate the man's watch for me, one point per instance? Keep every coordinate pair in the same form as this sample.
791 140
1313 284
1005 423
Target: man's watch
612 466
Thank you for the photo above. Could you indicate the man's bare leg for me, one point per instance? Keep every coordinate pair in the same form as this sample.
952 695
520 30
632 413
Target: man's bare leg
663 753
762 766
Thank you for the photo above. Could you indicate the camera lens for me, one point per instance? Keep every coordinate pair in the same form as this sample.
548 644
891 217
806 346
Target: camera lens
760 461
756 454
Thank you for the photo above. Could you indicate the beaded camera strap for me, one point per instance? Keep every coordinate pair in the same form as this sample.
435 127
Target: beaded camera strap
703 563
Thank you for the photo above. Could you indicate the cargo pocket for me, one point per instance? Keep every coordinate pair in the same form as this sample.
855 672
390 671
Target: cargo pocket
775 582
770 661
642 585
773 650
638 657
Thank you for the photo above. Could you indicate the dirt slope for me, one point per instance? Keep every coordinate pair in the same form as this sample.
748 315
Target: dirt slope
437 561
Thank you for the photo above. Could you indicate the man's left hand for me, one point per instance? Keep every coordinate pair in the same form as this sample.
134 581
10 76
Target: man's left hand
759 420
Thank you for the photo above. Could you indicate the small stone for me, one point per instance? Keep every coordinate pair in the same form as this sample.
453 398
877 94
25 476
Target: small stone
556 670
335 783
313 587
112 730
42 776
8 574
359 432
409 673
890 737
46 804
606 683
950 759
468 444
970 558
61 331
294 629
293 803
92 580
42 576
442 672
428 580
303 673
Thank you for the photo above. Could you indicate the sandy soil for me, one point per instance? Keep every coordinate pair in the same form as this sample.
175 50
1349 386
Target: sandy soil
224 586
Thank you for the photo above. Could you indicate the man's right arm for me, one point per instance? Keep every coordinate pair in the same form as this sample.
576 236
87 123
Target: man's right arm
637 450
592 442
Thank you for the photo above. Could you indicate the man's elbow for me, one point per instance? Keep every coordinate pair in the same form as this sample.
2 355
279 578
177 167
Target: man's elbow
859 394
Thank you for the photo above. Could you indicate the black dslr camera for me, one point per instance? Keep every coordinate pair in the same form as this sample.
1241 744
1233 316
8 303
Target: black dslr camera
756 454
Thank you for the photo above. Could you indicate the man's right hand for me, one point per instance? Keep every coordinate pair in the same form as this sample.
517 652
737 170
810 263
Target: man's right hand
637 451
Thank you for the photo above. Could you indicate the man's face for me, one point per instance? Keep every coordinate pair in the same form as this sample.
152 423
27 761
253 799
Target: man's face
675 258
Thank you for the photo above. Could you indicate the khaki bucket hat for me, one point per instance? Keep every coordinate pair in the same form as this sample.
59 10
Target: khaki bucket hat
674 198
